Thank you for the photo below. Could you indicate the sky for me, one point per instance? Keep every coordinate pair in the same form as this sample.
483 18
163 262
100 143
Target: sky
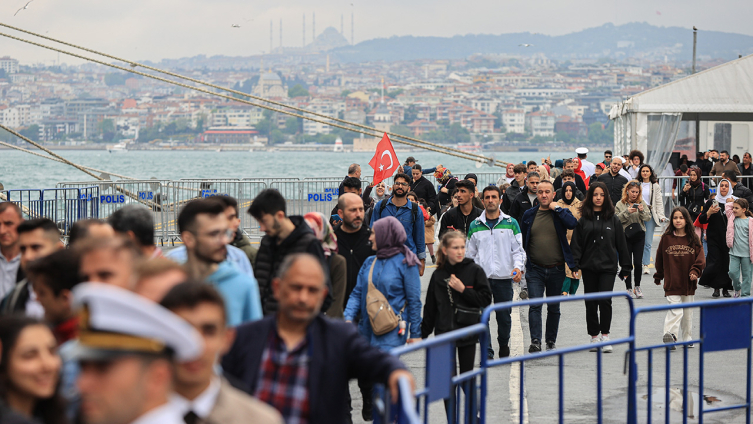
157 29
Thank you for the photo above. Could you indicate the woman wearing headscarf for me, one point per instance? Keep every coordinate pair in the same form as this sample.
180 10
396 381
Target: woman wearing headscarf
509 175
579 171
571 202
446 182
716 273
337 264
395 275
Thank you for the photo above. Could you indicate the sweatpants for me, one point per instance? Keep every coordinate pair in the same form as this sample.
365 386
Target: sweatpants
635 246
738 265
598 312
679 321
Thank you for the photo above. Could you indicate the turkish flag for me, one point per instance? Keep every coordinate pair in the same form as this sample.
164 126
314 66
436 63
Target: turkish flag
384 161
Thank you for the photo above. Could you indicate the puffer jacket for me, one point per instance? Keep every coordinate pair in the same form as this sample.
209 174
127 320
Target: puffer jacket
497 250
271 254
596 244
401 285
439 313
731 229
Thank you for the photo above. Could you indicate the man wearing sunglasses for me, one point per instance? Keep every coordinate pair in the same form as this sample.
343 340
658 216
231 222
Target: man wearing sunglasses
205 232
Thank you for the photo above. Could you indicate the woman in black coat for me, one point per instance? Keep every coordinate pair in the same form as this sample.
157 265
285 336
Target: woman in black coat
598 243
694 194
462 280
716 275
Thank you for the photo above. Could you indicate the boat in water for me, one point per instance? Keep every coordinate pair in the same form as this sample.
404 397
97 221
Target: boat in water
117 148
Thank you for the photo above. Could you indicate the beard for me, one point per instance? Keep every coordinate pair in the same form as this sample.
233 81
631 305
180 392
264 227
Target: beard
397 192
355 224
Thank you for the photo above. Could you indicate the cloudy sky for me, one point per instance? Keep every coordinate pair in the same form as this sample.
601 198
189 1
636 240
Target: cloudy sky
156 29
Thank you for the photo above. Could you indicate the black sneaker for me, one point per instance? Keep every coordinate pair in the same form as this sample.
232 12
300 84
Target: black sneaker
524 295
504 351
725 293
716 293
433 259
366 412
535 346
550 346
490 354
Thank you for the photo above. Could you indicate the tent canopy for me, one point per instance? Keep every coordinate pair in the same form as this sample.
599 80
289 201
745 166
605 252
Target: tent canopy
650 121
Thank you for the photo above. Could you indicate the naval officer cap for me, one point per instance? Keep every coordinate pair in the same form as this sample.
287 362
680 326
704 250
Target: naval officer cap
115 322
581 150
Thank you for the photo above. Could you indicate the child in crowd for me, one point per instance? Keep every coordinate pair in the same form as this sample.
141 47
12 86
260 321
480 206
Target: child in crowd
740 242
679 262
429 231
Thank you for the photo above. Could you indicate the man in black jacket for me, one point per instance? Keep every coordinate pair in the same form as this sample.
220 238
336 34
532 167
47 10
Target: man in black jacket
516 187
329 352
526 199
352 238
423 188
284 235
461 217
570 166
614 181
354 171
739 190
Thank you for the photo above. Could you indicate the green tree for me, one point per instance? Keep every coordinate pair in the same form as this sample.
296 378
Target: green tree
291 125
402 130
564 137
277 136
32 132
298 91
112 79
345 93
264 126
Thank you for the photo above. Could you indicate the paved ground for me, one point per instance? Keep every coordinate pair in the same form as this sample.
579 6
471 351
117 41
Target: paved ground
724 377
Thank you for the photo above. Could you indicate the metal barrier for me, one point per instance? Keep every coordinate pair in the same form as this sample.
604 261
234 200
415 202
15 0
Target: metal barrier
716 335
30 201
64 206
469 389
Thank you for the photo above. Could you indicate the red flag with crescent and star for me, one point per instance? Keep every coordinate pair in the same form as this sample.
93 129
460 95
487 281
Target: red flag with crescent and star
384 161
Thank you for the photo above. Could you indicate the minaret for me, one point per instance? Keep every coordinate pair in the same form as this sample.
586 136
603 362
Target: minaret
351 29
304 30
342 20
313 14
280 36
270 37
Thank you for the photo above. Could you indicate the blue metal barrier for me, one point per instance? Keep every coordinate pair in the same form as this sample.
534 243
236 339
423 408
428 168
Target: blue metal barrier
470 388
64 206
29 200
716 335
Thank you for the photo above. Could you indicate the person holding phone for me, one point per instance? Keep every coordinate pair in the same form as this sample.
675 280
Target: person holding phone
716 273
633 213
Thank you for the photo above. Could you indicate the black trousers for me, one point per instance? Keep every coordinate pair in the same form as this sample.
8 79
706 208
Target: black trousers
635 247
466 356
598 312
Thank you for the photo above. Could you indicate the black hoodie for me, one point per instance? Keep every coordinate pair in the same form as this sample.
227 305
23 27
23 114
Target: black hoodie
439 315
596 244
271 254
355 248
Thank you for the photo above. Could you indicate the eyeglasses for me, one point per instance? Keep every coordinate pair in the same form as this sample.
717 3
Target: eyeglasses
402 184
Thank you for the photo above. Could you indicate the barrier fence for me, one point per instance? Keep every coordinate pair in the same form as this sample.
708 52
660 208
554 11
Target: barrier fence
64 206
725 326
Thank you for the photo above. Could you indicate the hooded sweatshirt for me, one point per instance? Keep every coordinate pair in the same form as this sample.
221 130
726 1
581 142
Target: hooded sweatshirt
675 260
241 294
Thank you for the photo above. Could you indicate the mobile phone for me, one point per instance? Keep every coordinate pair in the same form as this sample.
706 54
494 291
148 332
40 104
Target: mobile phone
336 218
715 204
635 206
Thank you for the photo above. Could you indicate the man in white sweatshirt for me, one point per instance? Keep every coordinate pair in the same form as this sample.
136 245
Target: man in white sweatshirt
496 244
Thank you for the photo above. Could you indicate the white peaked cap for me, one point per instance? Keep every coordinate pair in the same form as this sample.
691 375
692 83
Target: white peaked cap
114 321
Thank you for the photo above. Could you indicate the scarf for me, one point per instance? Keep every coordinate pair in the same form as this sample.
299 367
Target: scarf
572 186
723 199
579 171
390 240
323 231
509 172
443 175
697 173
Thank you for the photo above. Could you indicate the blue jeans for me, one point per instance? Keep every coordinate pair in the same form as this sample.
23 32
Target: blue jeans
650 227
541 280
501 292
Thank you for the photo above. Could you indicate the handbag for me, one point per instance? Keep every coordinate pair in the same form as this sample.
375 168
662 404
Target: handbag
381 316
633 230
464 316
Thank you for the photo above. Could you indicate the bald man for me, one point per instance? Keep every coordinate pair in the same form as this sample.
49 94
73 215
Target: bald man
300 290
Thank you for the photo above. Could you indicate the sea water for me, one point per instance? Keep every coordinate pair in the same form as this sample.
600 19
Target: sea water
22 170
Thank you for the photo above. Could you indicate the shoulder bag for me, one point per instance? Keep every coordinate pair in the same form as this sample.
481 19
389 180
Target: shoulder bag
464 316
381 316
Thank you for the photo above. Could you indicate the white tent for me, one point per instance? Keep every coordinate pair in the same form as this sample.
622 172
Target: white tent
649 121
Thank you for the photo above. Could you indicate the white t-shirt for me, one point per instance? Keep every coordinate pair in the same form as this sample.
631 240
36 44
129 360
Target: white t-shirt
646 192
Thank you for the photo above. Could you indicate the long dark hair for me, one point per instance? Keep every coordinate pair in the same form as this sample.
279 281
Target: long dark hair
50 410
652 179
744 205
587 208
693 240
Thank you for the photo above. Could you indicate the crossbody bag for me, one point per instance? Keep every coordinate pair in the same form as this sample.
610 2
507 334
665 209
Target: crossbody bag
381 316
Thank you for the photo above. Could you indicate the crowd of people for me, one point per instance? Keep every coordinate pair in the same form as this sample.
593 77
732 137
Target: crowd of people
111 329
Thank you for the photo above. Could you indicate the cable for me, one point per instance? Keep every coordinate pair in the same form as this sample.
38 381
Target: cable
2 143
396 137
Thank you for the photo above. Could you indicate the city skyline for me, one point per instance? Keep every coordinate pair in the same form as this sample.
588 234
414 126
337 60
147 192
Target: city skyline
198 27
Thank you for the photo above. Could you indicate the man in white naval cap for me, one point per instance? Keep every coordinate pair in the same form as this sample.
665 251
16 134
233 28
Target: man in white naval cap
127 349
587 167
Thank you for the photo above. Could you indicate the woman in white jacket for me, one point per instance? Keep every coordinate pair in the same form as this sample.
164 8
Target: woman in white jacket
654 198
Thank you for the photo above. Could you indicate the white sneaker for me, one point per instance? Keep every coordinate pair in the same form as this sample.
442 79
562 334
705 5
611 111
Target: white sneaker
596 339
645 269
737 294
606 349
638 293
630 293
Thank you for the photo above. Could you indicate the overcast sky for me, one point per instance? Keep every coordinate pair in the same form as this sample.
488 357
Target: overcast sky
156 29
